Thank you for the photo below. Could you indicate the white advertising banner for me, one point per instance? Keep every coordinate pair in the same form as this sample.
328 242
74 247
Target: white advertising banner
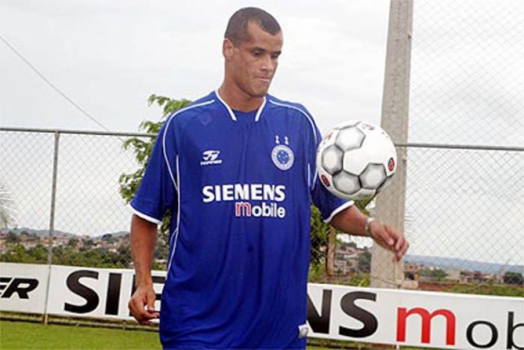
96 293
23 287
410 318
415 318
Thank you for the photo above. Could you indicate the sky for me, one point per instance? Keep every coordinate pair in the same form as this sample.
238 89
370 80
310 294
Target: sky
108 57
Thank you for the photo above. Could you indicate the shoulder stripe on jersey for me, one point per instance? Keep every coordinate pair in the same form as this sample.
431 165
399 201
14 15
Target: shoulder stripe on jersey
311 123
144 216
338 210
174 235
168 123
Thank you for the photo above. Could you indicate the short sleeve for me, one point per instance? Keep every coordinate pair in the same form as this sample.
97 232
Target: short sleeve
158 188
328 204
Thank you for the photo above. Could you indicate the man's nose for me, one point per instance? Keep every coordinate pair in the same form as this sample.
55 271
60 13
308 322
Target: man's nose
268 64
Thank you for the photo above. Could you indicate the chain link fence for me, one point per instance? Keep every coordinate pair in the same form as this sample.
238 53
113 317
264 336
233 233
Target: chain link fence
463 208
66 183
465 191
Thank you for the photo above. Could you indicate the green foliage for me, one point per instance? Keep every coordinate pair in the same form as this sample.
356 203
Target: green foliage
319 237
316 273
364 262
73 242
360 280
67 255
12 238
489 288
437 274
513 278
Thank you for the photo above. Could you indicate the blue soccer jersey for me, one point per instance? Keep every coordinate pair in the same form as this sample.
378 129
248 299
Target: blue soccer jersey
239 186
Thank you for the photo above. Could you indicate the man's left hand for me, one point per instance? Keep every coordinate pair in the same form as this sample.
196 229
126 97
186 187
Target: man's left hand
389 238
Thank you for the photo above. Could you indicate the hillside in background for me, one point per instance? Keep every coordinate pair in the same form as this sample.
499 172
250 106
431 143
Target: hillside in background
443 263
451 264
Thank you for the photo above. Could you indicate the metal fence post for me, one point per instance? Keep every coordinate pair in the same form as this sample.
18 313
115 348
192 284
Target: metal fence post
52 222
390 204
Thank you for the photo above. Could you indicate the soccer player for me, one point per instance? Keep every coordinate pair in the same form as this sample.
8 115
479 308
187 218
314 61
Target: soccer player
237 170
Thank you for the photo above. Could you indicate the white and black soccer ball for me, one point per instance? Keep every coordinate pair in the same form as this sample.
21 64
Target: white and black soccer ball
356 159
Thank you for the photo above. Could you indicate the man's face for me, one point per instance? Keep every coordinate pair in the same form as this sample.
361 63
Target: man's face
253 63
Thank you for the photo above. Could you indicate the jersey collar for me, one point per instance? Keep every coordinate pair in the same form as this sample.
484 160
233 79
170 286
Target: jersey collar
232 114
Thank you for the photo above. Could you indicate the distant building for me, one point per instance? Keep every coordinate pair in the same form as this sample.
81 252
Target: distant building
411 272
464 276
346 260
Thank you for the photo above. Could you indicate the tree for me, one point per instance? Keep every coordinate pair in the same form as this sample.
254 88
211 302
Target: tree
364 262
7 207
436 274
12 238
319 237
513 278
73 242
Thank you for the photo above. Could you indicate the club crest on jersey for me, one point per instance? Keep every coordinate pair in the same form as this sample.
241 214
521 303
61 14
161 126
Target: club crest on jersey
282 155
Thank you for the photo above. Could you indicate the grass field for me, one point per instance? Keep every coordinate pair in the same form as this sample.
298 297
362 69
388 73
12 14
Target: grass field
25 335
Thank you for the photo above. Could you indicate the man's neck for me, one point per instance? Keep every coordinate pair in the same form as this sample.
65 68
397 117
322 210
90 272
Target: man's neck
238 100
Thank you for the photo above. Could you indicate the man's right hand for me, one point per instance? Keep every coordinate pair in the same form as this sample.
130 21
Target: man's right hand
142 304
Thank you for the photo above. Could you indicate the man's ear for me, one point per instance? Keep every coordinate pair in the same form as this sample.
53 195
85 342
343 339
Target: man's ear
227 49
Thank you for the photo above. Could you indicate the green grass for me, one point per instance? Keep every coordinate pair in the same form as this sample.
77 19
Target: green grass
28 335
25 335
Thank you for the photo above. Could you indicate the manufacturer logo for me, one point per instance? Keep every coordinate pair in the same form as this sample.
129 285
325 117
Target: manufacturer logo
210 157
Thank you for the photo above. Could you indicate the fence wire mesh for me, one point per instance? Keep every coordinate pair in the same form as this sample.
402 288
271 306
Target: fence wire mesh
465 204
89 214
467 76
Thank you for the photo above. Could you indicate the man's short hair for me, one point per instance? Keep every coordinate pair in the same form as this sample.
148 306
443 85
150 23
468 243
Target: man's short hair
236 30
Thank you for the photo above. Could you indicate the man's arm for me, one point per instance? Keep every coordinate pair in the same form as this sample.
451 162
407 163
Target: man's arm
352 221
143 242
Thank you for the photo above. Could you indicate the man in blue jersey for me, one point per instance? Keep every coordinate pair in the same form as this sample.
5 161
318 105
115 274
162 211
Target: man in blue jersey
236 169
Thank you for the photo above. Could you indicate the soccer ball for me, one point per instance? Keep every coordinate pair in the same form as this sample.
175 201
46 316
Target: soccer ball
356 159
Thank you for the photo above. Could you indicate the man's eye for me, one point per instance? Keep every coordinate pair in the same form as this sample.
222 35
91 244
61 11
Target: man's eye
274 56
257 53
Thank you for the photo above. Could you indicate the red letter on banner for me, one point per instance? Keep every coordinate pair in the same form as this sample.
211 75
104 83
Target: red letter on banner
426 324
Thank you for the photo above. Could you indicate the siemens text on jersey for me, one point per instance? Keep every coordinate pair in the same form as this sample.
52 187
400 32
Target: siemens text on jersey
244 194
